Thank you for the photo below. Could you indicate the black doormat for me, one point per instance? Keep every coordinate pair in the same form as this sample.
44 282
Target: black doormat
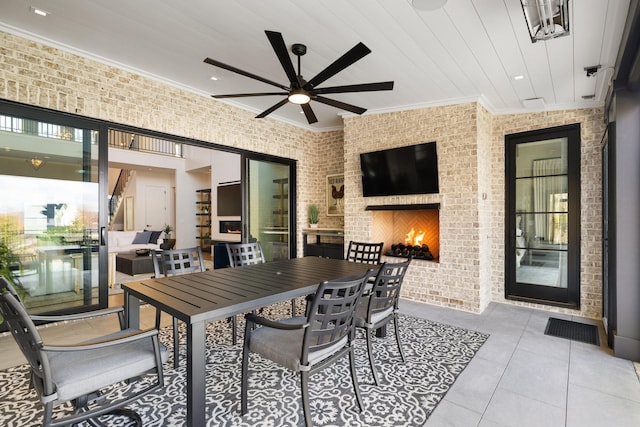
572 330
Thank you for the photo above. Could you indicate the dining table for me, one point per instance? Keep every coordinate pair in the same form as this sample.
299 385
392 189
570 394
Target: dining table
203 297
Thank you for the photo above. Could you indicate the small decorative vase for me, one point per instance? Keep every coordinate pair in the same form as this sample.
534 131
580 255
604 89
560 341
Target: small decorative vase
313 225
167 244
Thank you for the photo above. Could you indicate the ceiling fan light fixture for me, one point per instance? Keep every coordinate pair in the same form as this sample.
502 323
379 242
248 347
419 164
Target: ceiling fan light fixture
428 5
299 97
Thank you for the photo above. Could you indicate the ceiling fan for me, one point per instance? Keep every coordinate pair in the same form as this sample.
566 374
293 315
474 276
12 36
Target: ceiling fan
299 91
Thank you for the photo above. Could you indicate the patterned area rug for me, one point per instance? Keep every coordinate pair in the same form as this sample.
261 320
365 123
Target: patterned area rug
436 354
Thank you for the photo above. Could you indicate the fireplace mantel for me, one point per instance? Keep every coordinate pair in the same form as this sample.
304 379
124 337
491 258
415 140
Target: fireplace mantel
424 206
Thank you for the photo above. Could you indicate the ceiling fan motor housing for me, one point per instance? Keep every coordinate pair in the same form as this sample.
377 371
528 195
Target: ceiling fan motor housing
298 49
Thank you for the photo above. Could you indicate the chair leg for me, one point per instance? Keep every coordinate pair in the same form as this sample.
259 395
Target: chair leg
369 333
234 330
176 344
304 391
397 327
354 378
244 383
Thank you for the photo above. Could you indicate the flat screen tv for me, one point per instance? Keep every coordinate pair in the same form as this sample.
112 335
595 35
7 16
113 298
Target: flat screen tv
400 171
229 200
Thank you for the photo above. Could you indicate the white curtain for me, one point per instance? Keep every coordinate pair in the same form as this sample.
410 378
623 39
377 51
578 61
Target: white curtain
543 188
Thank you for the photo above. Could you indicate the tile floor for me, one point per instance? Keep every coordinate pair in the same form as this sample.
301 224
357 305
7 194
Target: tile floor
520 377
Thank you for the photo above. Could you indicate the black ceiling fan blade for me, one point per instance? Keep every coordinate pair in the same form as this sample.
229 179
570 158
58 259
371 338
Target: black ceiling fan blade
340 104
364 87
271 109
277 42
244 73
356 53
308 112
242 95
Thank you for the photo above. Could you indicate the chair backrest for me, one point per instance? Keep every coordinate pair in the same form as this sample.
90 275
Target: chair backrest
385 292
177 261
25 333
330 315
366 253
245 254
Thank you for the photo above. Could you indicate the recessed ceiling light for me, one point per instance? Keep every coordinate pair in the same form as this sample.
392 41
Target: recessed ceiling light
39 11
518 77
214 78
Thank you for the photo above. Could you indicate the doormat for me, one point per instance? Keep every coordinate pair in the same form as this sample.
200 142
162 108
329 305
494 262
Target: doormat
572 330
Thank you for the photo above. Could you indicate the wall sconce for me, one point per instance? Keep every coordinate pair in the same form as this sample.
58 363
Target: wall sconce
546 19
36 163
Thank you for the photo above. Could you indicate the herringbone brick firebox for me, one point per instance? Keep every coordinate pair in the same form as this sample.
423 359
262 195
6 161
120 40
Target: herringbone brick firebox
415 225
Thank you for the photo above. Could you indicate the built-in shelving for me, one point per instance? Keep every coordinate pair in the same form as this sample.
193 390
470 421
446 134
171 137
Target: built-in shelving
203 215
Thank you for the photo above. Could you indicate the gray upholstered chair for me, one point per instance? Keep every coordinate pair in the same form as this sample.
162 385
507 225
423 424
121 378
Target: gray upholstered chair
380 306
171 263
307 344
367 253
78 372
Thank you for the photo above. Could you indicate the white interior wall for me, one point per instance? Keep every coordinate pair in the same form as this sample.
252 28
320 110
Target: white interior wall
225 167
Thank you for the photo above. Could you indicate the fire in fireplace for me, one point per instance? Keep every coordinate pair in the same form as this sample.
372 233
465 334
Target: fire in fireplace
412 247
407 230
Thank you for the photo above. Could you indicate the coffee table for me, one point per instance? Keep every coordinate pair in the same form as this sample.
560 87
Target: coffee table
132 264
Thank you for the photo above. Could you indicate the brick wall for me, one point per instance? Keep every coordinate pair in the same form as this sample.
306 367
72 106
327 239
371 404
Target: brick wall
35 74
472 196
470 149
592 129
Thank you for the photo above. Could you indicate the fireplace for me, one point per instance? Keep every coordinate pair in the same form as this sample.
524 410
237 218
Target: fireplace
407 230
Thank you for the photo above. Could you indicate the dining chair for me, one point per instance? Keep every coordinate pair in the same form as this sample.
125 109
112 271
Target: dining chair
307 344
241 254
367 253
245 254
171 263
380 306
78 373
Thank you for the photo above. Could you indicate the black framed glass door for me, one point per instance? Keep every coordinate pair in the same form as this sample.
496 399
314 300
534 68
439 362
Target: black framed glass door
543 216
270 205
50 215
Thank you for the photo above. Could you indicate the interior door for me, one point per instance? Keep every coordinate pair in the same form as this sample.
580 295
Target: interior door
543 216
156 207
269 206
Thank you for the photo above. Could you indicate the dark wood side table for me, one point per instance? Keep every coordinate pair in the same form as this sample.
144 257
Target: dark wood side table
333 248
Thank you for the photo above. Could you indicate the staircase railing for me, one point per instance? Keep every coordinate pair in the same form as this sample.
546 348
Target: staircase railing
118 190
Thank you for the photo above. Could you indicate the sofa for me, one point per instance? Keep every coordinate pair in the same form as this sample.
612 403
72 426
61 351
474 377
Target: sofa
123 242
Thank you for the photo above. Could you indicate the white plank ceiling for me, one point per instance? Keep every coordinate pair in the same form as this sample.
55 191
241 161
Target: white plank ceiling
469 50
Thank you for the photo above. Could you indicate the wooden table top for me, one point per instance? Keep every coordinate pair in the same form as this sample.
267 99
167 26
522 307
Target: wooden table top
220 293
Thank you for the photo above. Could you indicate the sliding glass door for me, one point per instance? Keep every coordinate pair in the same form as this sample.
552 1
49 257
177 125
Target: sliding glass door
50 209
269 205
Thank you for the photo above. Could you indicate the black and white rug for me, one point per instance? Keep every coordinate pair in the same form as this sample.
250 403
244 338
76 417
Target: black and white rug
436 354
